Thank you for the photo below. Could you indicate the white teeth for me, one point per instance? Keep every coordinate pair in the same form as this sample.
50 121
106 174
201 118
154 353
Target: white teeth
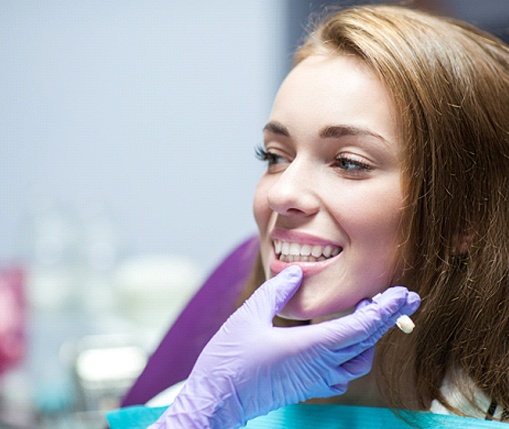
295 249
316 251
305 250
296 252
327 251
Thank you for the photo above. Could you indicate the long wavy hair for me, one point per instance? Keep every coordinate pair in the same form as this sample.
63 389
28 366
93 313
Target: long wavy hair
450 85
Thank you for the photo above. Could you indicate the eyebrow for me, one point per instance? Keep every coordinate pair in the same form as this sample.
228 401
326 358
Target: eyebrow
338 131
277 128
327 132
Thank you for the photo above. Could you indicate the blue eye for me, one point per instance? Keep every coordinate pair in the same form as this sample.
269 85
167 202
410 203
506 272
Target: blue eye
351 165
269 157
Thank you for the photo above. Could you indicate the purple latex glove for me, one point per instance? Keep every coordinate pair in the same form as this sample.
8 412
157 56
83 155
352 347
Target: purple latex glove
251 367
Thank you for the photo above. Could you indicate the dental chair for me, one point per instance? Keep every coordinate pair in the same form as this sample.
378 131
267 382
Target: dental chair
215 300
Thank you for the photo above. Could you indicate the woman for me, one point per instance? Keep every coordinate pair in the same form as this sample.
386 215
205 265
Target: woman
388 163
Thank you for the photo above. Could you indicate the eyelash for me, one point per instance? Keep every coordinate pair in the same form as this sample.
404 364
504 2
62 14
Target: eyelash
340 161
266 156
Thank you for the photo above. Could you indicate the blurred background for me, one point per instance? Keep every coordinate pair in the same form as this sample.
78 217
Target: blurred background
127 168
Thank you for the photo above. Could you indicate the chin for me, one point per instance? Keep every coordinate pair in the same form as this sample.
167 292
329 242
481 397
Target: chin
303 309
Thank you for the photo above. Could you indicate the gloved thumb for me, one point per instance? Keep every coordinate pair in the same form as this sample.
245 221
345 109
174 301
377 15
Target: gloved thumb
272 296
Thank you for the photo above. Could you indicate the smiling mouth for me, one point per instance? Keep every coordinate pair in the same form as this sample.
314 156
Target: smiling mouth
296 252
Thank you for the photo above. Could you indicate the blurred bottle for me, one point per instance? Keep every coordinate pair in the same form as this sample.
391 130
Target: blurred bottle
52 255
100 246
54 284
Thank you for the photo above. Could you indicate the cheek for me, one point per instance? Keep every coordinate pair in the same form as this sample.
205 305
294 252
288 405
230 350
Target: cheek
374 215
261 209
263 215
373 225
379 229
379 240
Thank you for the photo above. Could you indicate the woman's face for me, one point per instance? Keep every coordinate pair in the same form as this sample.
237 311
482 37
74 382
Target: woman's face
331 199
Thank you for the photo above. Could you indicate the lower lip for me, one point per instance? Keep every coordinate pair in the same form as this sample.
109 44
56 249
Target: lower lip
308 268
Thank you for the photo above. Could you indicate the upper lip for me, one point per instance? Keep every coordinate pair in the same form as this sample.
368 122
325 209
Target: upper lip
301 237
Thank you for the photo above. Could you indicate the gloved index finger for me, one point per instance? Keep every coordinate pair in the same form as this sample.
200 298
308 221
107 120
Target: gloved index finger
390 296
270 298
375 318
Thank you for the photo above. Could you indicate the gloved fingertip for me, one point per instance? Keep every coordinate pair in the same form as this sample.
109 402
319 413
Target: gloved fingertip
413 301
398 296
293 270
394 293
282 287
396 290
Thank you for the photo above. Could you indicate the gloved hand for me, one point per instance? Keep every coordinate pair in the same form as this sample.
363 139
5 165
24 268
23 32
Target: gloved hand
251 367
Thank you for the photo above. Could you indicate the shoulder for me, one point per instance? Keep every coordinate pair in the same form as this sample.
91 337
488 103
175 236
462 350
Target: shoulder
465 398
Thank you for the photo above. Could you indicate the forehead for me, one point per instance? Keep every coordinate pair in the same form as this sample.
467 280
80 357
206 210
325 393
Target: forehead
325 90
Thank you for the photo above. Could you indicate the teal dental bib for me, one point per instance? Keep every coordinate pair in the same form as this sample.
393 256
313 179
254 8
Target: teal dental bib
320 417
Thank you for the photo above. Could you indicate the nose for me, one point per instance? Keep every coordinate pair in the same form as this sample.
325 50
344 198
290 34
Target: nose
295 192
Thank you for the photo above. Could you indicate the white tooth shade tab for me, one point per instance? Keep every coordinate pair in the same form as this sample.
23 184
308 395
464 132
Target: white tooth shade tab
290 249
405 324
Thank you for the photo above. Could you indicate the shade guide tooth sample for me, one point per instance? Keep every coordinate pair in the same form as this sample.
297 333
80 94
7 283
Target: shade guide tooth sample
405 324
